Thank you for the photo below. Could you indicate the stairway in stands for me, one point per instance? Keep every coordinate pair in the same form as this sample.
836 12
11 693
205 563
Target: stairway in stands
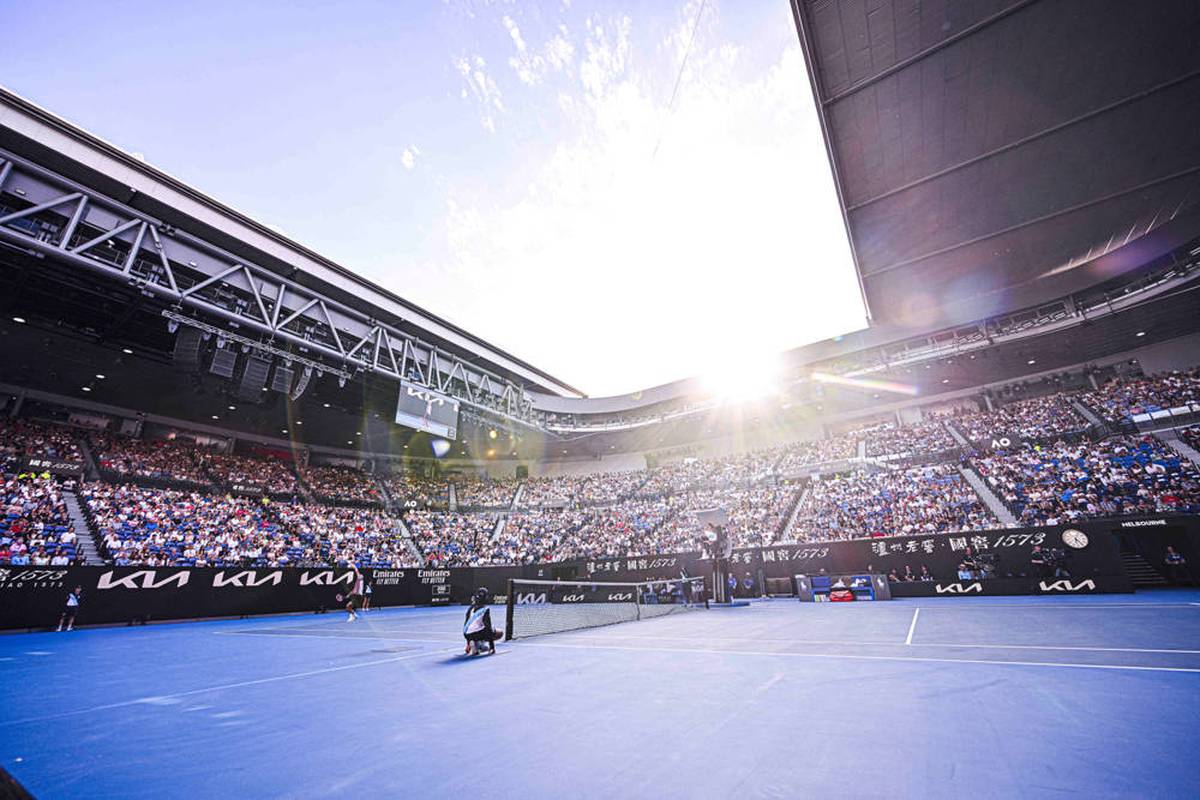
994 504
517 496
85 538
1171 439
1140 571
1088 414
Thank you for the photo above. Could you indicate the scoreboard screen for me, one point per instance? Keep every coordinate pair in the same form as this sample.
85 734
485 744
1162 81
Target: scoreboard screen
427 410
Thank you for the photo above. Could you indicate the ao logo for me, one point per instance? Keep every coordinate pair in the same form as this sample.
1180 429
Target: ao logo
530 598
1067 586
1001 442
958 588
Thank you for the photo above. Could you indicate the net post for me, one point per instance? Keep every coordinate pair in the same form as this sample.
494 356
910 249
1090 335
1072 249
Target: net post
508 613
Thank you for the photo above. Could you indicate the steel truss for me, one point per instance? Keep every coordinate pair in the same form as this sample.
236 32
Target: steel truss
44 212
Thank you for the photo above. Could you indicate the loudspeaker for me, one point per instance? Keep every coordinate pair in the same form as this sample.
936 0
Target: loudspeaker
254 377
187 348
223 362
282 380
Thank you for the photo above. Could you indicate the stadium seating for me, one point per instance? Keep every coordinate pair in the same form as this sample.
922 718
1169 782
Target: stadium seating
340 484
134 459
1034 419
22 439
1056 474
1066 482
919 439
267 474
171 527
1122 400
476 493
34 527
914 501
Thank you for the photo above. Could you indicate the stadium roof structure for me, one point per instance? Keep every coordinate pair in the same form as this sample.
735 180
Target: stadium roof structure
995 154
291 291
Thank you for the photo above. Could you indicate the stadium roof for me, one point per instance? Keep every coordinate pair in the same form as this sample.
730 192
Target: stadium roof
997 153
35 133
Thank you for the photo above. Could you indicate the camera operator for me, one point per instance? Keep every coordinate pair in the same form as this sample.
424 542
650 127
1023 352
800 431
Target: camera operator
972 564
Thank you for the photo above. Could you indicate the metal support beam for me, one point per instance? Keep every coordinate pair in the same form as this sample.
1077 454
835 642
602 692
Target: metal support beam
46 206
69 231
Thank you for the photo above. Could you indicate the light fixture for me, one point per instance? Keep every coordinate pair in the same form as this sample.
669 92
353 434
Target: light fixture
126 351
214 416
285 430
945 380
358 433
326 405
264 388
87 388
1031 361
492 433
21 320
349 442
99 376
233 408
1141 333
299 422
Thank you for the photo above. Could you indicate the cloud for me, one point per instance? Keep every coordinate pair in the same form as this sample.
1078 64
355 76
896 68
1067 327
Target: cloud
556 54
482 87
409 157
660 262
514 32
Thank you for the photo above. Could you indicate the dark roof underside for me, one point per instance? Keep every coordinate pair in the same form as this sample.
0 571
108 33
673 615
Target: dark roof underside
988 153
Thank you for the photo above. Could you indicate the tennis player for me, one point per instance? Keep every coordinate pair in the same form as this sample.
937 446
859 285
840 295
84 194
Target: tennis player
356 593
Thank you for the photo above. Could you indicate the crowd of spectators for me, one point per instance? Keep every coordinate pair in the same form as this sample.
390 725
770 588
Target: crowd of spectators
581 490
165 460
408 490
1121 399
271 475
757 514
35 529
22 439
918 500
927 437
341 484
532 537
1030 420
369 537
172 527
453 540
484 492
1058 483
819 451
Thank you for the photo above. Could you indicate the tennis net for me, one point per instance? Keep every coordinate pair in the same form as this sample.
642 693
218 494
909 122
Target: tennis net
540 607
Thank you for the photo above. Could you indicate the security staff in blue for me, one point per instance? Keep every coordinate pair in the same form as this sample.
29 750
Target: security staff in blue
477 628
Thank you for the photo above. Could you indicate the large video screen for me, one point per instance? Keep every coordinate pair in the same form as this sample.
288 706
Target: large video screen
427 410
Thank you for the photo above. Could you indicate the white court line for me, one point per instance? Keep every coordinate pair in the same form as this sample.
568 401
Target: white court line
1064 606
223 687
921 659
347 636
700 637
913 626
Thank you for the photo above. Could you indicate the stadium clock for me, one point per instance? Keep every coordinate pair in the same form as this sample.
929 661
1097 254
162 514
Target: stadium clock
1074 538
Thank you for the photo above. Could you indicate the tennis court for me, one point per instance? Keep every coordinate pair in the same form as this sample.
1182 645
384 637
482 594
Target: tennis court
988 697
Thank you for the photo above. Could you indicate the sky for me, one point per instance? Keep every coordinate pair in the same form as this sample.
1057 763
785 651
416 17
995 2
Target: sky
620 193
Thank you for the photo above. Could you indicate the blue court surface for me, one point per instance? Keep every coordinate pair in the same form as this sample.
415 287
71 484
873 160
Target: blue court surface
966 697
